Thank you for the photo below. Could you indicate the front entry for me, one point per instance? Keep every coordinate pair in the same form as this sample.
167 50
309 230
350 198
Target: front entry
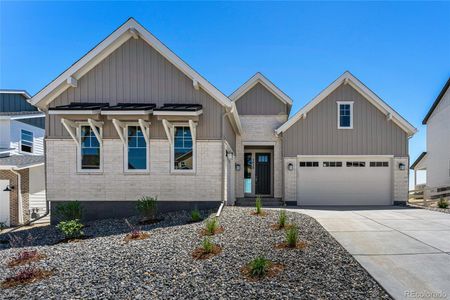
262 174
257 172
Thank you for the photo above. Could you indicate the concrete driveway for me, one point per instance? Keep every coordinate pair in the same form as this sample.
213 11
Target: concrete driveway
406 250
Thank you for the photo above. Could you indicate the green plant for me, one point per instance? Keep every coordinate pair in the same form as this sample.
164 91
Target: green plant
196 216
211 226
442 203
258 204
147 207
207 245
69 211
259 266
292 236
71 229
282 219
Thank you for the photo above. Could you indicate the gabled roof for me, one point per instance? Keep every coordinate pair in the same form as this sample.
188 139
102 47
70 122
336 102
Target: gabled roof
130 29
260 78
418 160
436 102
19 92
348 78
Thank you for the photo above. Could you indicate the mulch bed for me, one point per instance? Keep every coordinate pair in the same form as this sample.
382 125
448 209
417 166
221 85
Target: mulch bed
73 240
26 258
262 214
199 253
273 270
204 232
300 245
134 237
25 277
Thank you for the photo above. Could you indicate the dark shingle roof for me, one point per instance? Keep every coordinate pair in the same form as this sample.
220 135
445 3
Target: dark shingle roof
21 161
180 107
131 106
436 102
21 113
421 156
80 106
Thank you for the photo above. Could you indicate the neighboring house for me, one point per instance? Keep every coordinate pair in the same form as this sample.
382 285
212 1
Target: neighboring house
22 172
131 118
436 160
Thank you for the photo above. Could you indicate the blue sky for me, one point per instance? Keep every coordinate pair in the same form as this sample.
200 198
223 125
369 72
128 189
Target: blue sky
400 50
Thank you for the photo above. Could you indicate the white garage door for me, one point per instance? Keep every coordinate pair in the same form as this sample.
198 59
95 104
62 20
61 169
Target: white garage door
344 182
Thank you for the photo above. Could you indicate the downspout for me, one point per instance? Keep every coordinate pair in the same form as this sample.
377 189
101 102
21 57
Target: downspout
226 114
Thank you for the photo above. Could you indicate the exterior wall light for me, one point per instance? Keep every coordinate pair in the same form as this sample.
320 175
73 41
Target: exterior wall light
401 166
230 155
237 167
8 188
290 167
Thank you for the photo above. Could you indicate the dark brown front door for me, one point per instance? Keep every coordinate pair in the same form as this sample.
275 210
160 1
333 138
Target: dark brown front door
262 173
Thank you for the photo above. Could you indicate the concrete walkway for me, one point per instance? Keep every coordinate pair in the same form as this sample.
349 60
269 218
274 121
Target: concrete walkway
406 250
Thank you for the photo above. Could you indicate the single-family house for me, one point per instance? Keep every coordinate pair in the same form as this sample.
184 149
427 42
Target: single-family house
131 118
22 172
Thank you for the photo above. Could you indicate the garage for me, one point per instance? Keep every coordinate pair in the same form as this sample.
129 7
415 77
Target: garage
335 181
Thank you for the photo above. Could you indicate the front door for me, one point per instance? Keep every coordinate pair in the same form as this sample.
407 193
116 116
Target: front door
262 173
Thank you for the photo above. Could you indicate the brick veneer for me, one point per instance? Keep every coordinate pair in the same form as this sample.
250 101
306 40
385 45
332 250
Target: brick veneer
13 195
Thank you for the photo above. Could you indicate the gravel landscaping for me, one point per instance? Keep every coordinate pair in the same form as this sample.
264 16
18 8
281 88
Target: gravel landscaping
162 267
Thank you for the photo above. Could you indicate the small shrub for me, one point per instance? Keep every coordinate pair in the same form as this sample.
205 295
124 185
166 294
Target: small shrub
69 211
196 216
71 229
259 266
24 257
258 205
282 219
211 226
25 276
147 207
292 236
2 226
207 245
442 203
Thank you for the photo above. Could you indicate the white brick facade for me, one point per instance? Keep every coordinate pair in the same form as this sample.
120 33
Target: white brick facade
260 129
64 183
290 180
400 180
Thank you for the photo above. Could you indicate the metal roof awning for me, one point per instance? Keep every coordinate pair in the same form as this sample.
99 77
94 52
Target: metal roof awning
129 109
78 108
179 110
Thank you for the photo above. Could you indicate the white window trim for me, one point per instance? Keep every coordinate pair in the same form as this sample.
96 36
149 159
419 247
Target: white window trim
20 144
125 151
172 146
88 171
339 114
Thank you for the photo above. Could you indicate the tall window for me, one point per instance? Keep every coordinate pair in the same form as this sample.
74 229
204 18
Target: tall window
345 115
183 148
137 149
90 149
26 141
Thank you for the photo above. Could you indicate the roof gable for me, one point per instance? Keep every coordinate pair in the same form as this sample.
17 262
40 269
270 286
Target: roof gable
348 78
130 29
260 78
437 101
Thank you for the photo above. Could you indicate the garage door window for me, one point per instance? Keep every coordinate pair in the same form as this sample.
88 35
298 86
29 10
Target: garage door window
356 164
309 164
332 164
379 164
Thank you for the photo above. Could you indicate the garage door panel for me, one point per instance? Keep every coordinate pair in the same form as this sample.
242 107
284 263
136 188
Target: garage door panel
344 185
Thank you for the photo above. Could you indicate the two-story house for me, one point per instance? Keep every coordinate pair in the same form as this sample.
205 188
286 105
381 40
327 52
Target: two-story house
436 160
130 118
22 172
